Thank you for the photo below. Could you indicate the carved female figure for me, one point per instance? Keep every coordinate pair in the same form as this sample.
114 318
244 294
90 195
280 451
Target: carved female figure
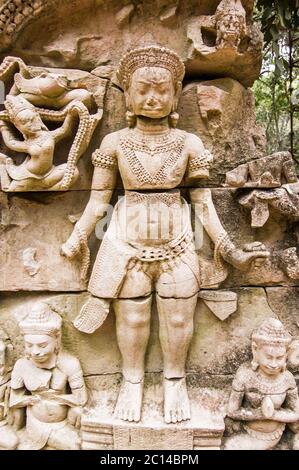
48 383
152 157
37 171
264 396
8 438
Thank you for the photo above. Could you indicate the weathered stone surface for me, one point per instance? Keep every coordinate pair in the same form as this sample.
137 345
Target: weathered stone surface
276 234
74 100
32 230
87 34
225 44
217 348
213 110
284 303
34 227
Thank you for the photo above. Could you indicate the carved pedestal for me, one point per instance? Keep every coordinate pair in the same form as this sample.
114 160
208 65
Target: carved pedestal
100 431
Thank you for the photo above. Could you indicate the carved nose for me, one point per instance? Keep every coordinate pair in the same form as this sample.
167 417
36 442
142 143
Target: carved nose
150 100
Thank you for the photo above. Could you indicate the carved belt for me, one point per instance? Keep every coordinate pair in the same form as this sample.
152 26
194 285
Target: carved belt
167 251
168 198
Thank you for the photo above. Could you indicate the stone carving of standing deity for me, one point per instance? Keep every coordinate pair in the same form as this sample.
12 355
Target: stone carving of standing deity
152 157
48 383
264 394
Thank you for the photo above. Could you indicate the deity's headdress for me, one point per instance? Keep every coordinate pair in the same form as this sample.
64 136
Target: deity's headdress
150 56
41 321
15 104
271 332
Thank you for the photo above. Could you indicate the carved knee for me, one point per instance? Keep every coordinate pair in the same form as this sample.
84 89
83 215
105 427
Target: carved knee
178 313
134 312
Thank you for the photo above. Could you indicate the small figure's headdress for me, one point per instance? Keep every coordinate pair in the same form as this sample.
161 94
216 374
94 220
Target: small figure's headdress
15 104
271 332
41 321
150 56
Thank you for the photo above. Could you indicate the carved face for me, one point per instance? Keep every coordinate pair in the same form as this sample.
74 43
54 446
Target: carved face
40 348
2 357
28 121
151 92
271 358
230 29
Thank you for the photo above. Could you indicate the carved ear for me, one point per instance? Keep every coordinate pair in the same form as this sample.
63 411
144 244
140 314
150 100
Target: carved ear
128 100
254 362
177 93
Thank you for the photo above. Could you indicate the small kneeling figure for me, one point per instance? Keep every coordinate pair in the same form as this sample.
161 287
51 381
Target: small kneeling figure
264 395
49 383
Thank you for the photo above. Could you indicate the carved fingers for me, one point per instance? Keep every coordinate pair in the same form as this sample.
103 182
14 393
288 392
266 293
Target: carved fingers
72 246
258 253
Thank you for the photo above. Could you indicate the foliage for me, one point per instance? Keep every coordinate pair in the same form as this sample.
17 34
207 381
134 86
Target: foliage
277 91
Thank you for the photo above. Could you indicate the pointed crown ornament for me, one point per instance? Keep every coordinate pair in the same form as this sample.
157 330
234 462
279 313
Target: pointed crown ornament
41 321
271 332
233 7
150 56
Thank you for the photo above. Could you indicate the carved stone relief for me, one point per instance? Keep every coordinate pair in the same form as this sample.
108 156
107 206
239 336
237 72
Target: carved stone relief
264 395
136 213
35 100
39 385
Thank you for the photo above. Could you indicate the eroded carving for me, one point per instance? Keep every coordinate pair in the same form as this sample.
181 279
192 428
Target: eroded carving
268 172
137 259
226 37
32 102
8 437
40 383
264 394
284 200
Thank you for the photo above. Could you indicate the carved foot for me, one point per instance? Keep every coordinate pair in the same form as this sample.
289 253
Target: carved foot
129 402
176 401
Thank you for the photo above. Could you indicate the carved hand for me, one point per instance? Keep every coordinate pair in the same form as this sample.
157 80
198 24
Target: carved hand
74 416
252 253
72 246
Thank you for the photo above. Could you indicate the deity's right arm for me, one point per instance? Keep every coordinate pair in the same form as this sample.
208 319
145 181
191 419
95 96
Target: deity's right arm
103 183
9 139
18 397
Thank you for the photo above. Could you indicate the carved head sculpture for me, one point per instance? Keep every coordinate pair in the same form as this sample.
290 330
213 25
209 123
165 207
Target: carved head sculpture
42 335
152 80
270 343
24 115
230 23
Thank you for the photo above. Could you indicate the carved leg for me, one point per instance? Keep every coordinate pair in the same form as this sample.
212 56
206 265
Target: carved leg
66 438
8 438
176 330
4 176
132 329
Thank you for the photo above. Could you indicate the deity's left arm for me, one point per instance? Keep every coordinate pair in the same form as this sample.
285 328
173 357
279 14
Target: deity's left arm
198 167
